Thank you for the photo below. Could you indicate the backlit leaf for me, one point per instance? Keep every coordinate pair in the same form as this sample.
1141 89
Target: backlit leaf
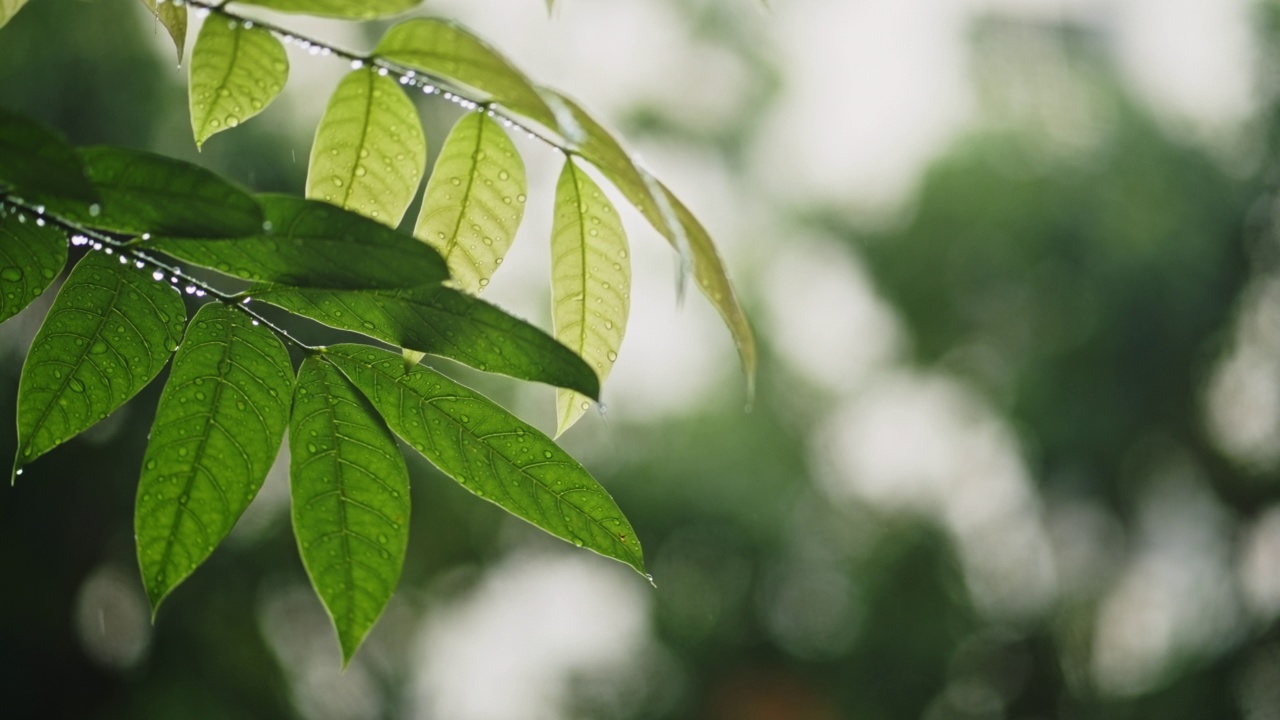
343 9
145 193
36 161
174 18
31 257
474 200
369 152
9 8
491 452
236 71
314 244
449 51
109 332
350 490
442 321
590 281
217 430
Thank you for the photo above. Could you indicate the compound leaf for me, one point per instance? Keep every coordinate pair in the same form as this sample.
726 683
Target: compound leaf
217 430
173 16
236 71
444 322
590 281
350 491
491 452
342 9
474 200
145 193
448 51
35 160
314 244
31 256
109 332
369 152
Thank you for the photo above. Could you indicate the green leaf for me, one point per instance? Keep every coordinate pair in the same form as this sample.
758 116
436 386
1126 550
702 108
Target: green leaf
474 200
713 280
145 193
590 281
31 256
442 321
35 160
110 331
448 51
342 9
490 451
174 18
314 244
236 71
217 430
369 152
350 489
9 8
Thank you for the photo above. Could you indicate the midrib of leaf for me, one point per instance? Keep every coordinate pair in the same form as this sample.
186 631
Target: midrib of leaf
350 182
348 560
466 199
535 483
582 245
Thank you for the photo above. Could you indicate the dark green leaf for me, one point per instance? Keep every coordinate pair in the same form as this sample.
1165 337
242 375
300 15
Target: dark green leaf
146 193
110 331
369 153
37 162
31 256
9 8
174 18
448 51
342 9
474 200
217 430
236 71
442 321
590 281
350 492
314 244
491 452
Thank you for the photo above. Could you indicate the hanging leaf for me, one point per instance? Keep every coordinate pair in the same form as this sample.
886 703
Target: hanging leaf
146 193
369 151
474 200
350 491
443 322
174 18
450 52
590 281
491 452
342 9
314 244
9 8
236 71
37 162
109 332
217 430
31 256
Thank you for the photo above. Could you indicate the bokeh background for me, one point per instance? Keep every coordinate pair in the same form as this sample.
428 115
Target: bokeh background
1015 270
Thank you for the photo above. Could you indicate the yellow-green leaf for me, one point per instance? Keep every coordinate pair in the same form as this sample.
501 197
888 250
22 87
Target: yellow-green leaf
174 18
449 51
342 9
590 282
474 201
491 452
9 8
369 152
217 430
236 71
350 492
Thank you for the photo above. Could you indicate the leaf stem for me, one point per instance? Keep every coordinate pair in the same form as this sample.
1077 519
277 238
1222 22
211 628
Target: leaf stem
111 243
